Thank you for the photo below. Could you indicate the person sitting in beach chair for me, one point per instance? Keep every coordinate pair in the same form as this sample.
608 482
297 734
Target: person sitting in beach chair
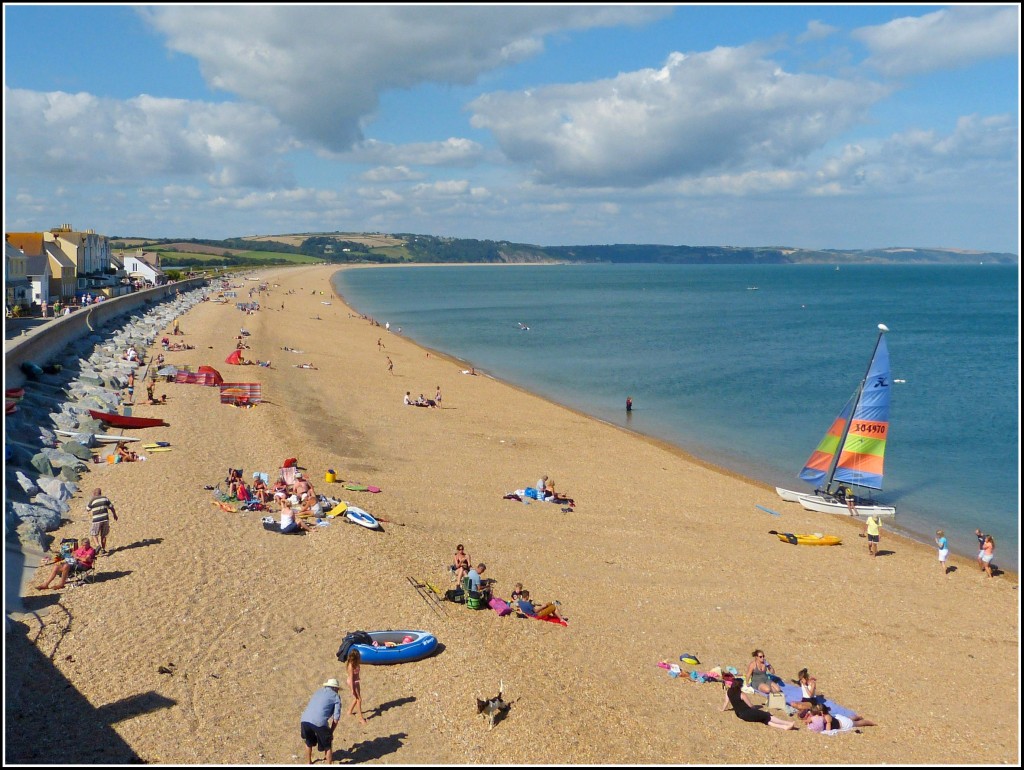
80 560
260 490
460 565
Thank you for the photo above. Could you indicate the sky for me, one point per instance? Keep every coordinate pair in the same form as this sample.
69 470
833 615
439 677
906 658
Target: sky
809 126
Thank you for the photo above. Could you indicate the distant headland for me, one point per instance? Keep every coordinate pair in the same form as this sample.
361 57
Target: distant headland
343 248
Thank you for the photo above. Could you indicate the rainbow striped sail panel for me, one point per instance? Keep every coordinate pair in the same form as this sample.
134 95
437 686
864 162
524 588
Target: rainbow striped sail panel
820 461
864 450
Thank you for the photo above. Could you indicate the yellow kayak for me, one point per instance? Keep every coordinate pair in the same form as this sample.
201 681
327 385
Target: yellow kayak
816 539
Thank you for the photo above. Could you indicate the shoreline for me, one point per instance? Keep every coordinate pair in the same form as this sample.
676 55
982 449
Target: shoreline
660 556
890 524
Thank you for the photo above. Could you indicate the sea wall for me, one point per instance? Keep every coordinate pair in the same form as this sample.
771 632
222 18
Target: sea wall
47 340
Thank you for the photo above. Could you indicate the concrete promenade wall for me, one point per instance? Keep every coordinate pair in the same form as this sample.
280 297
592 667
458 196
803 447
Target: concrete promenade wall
44 342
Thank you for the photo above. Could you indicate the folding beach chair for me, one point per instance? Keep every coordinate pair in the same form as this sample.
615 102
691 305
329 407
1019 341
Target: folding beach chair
288 474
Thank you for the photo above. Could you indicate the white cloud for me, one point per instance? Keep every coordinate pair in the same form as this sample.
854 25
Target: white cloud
450 152
816 30
724 110
321 69
81 137
390 174
944 39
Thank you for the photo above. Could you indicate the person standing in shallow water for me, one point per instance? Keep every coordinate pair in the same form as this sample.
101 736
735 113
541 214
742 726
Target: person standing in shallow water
629 404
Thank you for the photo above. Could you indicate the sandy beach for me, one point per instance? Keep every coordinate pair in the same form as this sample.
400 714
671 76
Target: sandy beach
663 554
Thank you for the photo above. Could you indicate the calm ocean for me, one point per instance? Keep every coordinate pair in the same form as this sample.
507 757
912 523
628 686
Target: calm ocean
751 378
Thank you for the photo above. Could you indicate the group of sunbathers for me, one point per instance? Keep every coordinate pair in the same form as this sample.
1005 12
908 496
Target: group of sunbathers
519 601
421 401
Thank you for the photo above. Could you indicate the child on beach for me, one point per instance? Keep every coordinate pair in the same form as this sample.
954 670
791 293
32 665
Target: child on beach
987 552
352 668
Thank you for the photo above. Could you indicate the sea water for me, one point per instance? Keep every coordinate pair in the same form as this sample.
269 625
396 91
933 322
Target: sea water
747 366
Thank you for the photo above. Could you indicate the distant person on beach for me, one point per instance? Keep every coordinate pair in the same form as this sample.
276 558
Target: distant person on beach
391 365
745 710
517 593
943 546
81 560
319 720
987 552
437 395
408 399
759 673
100 510
629 404
981 547
289 522
873 528
850 498
352 670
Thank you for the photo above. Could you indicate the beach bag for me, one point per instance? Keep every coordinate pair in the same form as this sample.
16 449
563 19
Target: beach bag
352 638
455 595
776 701
500 606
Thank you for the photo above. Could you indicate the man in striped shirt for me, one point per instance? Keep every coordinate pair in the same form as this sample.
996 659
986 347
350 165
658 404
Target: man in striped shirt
101 509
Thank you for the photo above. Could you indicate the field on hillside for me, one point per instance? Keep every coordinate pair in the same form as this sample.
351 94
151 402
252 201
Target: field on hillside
371 240
193 257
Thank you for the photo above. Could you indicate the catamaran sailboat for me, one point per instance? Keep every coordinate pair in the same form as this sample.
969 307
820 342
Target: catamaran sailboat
853 450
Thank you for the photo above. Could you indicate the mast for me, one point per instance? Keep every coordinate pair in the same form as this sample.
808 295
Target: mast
882 329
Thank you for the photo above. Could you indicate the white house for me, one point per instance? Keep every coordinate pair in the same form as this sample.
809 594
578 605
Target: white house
144 266
38 273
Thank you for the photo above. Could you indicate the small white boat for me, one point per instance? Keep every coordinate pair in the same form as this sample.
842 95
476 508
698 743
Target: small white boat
824 505
789 495
102 438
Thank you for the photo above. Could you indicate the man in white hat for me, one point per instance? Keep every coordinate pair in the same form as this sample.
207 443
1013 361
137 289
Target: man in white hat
319 720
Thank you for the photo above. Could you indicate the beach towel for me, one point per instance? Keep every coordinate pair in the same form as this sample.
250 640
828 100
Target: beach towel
288 474
791 693
550 619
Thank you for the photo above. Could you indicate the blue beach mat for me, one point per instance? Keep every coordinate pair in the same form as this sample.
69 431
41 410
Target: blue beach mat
791 692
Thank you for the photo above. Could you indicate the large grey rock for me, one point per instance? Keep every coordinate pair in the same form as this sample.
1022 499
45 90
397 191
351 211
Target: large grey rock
70 473
26 483
42 464
46 518
62 508
77 449
54 487
30 534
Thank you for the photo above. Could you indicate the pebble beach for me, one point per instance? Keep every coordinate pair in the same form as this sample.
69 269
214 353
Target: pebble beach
206 635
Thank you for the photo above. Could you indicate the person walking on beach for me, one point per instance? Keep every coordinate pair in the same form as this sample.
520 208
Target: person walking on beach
100 510
352 669
873 528
391 365
437 396
319 720
943 545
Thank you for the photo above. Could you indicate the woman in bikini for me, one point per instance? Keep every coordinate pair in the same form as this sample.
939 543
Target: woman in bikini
352 667
461 563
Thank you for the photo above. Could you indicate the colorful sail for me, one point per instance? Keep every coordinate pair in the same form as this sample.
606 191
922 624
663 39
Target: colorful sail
820 461
863 452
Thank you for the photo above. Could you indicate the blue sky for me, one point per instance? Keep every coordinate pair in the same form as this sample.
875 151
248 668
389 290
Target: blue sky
828 126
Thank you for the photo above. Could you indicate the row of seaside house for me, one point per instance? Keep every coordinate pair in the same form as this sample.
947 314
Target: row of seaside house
63 264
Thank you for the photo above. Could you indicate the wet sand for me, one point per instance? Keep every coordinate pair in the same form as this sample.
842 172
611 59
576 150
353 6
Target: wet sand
663 554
